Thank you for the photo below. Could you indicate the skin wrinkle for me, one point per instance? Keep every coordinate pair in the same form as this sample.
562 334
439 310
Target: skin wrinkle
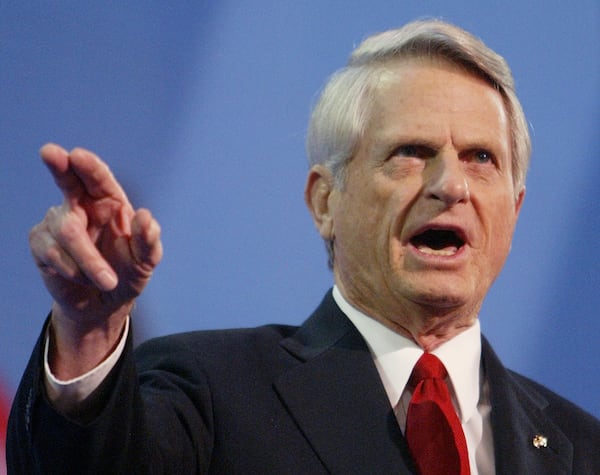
388 196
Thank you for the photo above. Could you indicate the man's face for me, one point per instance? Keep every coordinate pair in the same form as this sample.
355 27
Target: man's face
425 218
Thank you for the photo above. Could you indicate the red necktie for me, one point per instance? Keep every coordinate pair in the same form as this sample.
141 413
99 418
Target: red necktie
433 431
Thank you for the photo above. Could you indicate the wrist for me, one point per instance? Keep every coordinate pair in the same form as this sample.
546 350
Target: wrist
76 346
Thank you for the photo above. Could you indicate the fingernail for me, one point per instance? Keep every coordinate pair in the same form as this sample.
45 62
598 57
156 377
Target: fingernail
107 280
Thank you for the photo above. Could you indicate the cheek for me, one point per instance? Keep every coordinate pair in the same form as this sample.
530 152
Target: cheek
399 210
500 231
352 223
361 225
371 215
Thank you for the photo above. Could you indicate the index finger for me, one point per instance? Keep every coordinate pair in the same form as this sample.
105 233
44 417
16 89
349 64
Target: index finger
98 180
81 173
56 159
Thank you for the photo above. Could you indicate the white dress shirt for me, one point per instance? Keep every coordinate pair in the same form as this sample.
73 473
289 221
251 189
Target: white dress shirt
395 356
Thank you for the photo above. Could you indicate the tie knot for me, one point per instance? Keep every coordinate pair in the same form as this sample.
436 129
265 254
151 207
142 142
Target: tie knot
428 366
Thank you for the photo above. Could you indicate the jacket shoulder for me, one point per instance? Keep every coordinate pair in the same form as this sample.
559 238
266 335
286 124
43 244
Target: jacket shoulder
570 417
240 347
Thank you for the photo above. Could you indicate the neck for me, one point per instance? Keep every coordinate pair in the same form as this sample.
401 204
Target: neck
428 326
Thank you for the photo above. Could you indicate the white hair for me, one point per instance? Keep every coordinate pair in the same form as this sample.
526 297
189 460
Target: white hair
341 116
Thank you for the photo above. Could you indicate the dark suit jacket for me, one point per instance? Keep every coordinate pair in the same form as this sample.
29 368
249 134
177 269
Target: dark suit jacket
273 400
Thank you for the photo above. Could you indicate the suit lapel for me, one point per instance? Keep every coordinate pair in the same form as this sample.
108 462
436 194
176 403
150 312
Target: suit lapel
517 418
337 399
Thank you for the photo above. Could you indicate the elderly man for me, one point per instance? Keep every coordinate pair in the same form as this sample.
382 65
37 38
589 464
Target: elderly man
418 151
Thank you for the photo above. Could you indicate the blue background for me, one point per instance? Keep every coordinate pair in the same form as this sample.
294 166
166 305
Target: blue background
201 108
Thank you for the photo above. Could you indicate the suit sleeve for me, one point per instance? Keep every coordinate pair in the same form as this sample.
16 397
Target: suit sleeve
149 416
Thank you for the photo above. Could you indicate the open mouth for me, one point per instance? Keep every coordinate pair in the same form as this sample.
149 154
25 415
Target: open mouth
438 242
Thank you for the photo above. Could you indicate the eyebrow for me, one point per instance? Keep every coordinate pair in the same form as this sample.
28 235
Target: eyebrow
387 144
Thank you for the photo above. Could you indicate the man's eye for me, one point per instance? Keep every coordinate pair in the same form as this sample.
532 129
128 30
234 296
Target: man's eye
413 150
407 150
483 156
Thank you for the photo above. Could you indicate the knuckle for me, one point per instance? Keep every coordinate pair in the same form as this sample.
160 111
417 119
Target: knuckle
53 214
34 234
68 229
52 256
53 219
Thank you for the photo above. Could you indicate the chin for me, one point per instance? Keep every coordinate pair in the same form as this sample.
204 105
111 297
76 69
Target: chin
441 301
443 296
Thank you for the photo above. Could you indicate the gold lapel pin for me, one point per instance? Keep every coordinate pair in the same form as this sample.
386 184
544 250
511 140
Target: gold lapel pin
540 441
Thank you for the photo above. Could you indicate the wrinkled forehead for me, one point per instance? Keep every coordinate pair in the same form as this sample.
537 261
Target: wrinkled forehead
386 75
423 97
389 71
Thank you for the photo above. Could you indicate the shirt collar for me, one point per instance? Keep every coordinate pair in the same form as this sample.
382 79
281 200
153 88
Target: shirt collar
396 355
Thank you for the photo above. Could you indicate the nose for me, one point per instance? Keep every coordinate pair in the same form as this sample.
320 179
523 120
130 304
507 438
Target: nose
446 180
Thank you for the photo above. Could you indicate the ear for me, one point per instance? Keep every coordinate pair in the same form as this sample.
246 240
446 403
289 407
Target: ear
318 192
519 201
